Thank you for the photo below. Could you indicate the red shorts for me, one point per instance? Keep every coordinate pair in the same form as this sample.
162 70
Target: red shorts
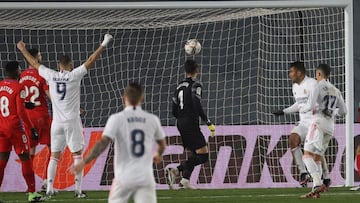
42 124
16 138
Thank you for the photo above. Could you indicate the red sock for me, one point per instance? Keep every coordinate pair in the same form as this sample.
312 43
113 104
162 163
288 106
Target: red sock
28 173
2 169
358 163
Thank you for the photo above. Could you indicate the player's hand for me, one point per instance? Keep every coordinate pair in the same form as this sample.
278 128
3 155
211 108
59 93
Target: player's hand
278 113
34 134
327 112
107 39
77 168
157 158
211 127
29 105
21 45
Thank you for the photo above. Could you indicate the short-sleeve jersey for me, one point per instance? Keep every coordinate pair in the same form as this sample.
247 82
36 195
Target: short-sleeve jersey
11 94
303 93
134 132
64 87
35 87
183 98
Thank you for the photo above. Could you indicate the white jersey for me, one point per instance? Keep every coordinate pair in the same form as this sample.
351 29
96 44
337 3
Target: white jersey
64 88
331 103
134 132
305 101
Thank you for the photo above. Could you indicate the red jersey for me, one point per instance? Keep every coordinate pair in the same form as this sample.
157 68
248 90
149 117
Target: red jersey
35 87
12 110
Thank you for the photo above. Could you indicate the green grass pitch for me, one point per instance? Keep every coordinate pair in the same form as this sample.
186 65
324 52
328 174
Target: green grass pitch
278 195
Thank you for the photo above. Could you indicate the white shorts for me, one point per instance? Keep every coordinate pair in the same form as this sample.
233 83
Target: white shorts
68 133
301 129
121 193
317 141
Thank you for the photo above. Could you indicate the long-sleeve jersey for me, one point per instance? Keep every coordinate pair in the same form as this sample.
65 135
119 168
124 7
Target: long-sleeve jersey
331 103
305 101
187 101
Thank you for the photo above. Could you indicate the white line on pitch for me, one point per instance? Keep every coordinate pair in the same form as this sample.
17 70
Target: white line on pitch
255 196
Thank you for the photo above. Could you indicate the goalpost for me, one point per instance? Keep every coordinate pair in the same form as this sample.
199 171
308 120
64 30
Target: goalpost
247 46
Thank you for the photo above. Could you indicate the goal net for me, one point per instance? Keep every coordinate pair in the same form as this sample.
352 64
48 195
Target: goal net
244 70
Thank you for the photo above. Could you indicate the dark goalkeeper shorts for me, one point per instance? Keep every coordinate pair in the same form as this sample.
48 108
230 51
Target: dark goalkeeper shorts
191 136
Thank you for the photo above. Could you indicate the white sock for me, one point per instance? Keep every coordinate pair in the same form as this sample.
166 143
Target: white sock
79 176
320 169
325 169
51 174
298 157
313 169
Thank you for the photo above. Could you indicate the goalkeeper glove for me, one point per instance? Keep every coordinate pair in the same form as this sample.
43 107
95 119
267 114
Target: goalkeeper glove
29 105
278 113
211 127
34 134
107 39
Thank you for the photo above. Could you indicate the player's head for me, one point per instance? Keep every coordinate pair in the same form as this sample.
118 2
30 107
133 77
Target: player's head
297 71
133 94
65 63
322 72
36 54
191 68
12 69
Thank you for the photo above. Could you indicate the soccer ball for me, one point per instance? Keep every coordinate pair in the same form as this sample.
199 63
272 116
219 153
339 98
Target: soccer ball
192 47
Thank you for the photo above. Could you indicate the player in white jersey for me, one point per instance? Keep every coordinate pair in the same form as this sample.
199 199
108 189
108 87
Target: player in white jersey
331 103
66 128
303 91
133 132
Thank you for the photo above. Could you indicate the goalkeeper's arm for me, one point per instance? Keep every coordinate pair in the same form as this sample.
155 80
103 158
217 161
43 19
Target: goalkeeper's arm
92 59
196 99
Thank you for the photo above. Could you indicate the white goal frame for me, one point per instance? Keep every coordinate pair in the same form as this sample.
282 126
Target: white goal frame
347 4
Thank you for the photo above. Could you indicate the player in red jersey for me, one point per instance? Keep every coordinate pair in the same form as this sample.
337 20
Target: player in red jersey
12 119
37 108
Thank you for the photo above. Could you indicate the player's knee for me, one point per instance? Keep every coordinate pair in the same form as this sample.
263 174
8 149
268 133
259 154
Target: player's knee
55 155
358 149
294 140
203 158
77 153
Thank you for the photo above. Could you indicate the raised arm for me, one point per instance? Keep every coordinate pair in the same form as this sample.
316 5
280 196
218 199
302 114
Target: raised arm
30 59
92 59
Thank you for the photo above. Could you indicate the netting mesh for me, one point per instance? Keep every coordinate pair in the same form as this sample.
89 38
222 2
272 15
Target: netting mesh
123 19
244 64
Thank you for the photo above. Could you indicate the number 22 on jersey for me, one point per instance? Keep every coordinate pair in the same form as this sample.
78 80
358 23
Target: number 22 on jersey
35 94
